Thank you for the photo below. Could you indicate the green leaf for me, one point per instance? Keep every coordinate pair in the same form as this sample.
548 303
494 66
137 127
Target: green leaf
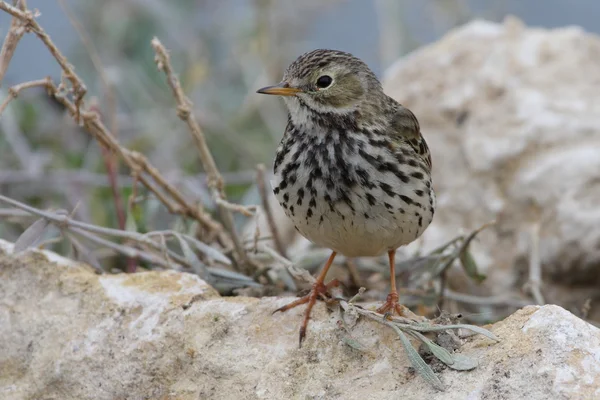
444 355
355 344
418 363
470 266
130 224
435 328
463 363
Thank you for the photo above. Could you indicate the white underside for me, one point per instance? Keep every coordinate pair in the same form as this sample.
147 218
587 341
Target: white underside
358 236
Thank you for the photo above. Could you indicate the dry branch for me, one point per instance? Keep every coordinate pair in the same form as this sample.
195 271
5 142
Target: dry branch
14 34
13 92
264 196
214 178
72 100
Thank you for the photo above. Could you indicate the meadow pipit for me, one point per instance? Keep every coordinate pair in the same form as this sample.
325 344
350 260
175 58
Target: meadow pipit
352 171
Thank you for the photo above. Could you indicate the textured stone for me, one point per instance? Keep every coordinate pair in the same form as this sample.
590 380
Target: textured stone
512 117
67 333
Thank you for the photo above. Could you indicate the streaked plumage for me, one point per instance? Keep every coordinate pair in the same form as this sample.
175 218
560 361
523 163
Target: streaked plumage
352 171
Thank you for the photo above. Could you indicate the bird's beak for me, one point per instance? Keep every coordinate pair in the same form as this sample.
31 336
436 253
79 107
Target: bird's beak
282 89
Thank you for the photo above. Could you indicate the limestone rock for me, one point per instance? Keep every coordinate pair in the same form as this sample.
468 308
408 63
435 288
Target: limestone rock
512 117
67 333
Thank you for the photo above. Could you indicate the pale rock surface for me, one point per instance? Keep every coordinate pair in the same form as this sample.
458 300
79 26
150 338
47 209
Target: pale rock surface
67 333
512 117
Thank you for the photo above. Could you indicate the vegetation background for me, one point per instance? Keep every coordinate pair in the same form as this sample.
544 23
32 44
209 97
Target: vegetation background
222 51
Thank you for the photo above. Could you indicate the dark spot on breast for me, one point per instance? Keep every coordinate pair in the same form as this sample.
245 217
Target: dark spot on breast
276 190
406 199
309 213
343 196
417 175
419 193
312 202
292 209
367 216
286 197
371 199
387 189
330 184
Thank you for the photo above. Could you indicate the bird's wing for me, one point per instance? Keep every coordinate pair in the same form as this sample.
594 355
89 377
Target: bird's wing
405 129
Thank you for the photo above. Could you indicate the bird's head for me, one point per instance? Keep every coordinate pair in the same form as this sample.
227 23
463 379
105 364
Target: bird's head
326 81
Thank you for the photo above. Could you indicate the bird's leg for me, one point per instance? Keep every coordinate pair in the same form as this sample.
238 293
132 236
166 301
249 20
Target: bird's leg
391 304
319 289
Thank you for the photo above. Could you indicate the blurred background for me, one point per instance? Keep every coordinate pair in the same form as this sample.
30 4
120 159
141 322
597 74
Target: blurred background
223 51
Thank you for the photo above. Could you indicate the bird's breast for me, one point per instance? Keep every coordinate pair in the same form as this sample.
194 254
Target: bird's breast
350 193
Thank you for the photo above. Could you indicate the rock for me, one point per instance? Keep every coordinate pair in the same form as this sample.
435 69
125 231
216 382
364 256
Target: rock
67 333
512 117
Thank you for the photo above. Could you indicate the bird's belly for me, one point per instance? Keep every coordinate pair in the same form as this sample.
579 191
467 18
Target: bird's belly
354 227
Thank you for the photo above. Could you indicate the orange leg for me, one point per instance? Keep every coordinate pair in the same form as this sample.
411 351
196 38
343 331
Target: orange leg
319 289
391 304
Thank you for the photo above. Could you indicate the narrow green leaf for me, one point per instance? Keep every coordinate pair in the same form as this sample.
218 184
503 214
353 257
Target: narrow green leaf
463 363
435 328
444 355
470 266
355 344
130 224
418 363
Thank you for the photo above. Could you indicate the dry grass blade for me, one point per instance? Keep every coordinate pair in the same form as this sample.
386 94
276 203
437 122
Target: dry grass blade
197 266
201 247
32 235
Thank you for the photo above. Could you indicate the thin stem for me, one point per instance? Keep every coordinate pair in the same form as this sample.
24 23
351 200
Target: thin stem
264 196
215 180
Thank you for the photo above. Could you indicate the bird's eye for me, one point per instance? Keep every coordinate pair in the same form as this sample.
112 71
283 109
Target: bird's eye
324 81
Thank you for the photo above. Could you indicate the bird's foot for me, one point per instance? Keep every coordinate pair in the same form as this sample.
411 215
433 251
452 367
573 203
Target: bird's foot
392 306
319 290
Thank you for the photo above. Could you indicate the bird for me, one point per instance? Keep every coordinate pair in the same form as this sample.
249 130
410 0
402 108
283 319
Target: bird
352 170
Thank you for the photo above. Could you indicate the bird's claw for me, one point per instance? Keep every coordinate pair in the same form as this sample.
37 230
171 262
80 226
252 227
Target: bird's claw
392 306
319 290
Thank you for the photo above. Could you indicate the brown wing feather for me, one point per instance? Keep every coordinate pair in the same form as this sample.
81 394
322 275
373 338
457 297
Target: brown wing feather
405 127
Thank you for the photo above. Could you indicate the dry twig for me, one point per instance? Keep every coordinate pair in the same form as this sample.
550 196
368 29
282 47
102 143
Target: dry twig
13 92
14 34
72 100
215 180
264 196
